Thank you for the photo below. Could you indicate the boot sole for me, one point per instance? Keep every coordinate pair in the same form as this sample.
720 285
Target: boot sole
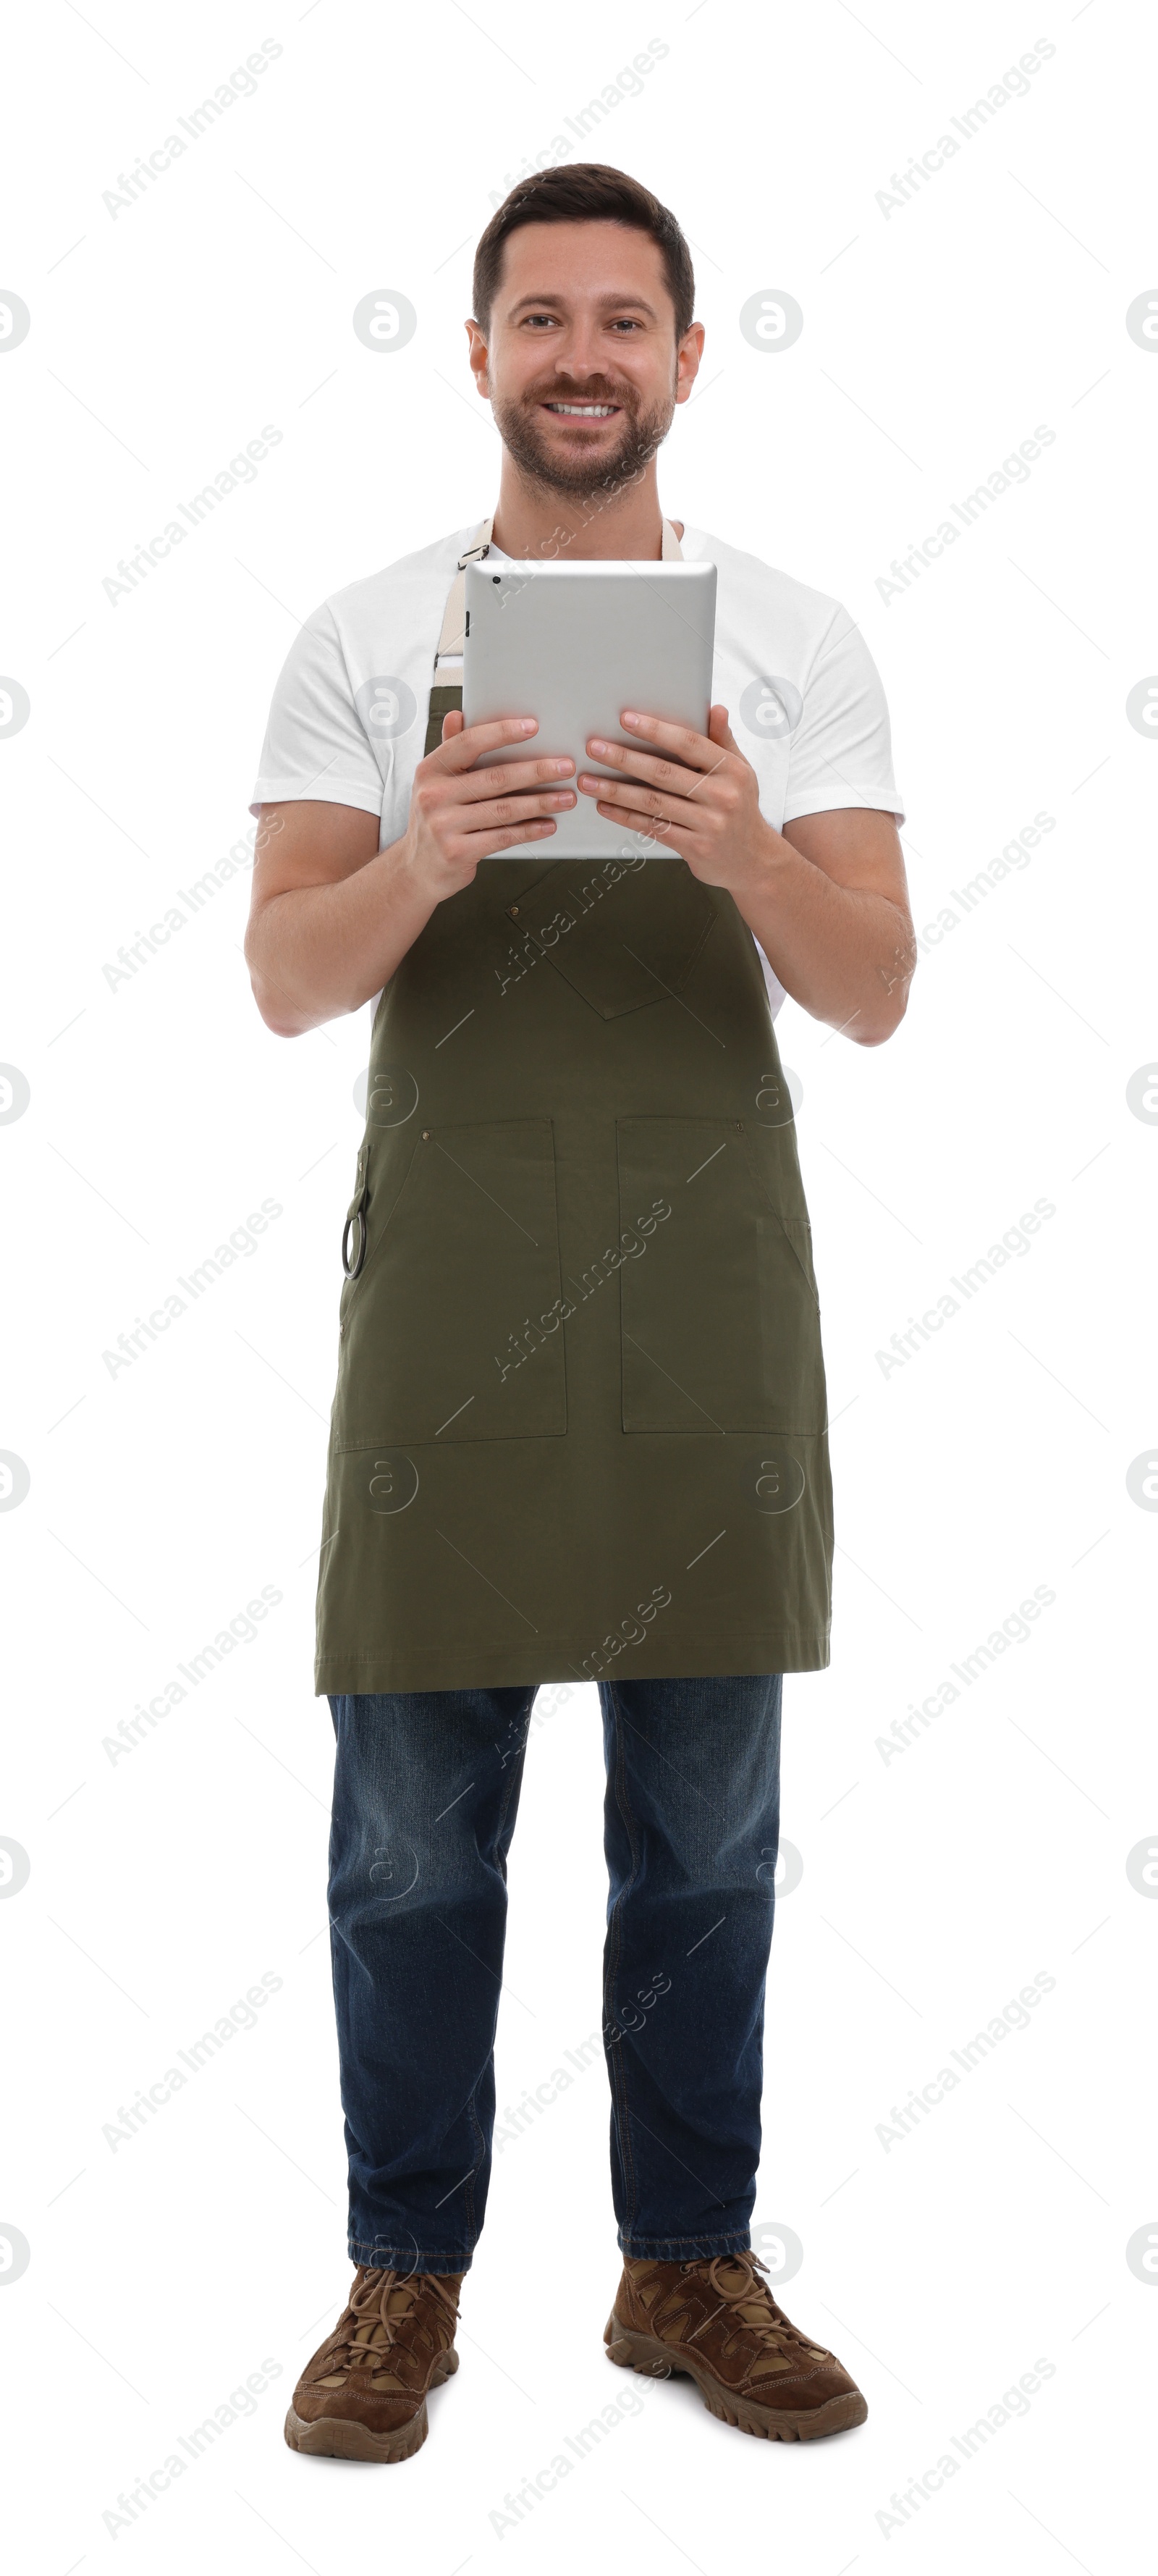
655 2360
339 2437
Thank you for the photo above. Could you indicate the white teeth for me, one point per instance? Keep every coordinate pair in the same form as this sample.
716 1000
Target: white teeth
585 411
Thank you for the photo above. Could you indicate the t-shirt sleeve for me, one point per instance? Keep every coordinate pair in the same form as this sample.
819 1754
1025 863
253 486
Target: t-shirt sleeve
315 744
841 750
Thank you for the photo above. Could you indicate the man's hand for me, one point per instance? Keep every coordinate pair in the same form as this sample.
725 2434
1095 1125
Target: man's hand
332 915
826 897
701 798
459 814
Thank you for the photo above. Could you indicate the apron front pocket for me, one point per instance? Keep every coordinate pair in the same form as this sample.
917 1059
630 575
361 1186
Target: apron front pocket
720 1323
452 1329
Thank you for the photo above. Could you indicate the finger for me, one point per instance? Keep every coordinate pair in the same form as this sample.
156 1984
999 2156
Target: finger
503 810
651 827
640 800
673 774
720 731
643 764
452 723
484 845
465 747
503 778
697 749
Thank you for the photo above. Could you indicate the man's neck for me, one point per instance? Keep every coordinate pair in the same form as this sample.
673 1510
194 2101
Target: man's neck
531 520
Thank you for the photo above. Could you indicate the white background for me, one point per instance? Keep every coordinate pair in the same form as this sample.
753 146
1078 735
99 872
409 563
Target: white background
936 1884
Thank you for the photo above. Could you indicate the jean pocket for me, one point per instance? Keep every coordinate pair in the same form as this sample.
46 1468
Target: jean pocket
452 1328
719 1317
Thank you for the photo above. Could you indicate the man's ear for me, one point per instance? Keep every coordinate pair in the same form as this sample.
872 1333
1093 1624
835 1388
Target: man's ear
688 356
477 358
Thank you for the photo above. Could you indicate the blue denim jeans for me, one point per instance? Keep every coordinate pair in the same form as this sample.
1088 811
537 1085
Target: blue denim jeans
426 1792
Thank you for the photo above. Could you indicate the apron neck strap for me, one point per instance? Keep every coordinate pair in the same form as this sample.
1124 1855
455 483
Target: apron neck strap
452 636
480 546
451 639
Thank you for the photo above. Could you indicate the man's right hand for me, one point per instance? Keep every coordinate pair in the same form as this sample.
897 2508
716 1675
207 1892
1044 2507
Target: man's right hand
332 915
460 814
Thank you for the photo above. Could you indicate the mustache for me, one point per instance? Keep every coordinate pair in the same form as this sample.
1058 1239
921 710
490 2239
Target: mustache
598 392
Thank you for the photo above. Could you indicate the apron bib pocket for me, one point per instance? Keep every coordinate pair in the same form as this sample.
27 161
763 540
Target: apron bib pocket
452 1328
720 1323
622 932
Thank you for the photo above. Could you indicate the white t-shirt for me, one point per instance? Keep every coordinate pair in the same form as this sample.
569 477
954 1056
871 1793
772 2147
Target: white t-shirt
804 696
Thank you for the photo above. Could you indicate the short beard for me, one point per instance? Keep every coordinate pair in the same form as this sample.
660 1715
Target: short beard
643 435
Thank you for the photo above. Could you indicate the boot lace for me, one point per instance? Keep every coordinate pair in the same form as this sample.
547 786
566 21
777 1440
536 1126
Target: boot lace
752 2303
381 2304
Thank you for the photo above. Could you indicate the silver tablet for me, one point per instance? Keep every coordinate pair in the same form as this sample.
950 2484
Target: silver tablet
573 643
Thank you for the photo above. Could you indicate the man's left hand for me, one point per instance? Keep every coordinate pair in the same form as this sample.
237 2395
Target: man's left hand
700 798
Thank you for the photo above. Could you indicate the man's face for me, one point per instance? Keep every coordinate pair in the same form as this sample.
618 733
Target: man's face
581 366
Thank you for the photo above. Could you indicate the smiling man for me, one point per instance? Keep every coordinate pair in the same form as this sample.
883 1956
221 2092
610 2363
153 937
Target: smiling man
579 1431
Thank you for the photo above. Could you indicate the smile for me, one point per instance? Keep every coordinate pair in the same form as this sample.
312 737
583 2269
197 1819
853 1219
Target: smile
583 411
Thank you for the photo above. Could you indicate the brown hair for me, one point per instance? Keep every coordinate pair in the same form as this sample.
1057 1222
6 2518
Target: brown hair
585 192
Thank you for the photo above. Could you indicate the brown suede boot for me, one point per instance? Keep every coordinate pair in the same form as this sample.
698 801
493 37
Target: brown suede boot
718 2322
363 2396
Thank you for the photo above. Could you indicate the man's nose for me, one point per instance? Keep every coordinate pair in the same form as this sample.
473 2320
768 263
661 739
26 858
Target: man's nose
580 358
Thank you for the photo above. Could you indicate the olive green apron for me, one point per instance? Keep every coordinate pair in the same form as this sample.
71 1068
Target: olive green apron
580 1424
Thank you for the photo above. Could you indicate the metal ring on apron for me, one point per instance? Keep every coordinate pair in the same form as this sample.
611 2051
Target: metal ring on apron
358 1211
